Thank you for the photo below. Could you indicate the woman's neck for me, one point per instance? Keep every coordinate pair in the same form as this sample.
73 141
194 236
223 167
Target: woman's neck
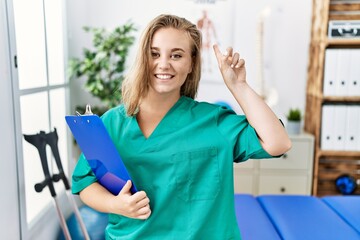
158 103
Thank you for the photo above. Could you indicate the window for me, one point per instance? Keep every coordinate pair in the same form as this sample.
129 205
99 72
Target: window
42 92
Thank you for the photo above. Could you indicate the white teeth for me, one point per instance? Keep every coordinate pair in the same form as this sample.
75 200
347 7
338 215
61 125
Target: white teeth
163 76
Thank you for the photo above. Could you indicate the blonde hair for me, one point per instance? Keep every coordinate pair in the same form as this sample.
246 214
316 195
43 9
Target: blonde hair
136 83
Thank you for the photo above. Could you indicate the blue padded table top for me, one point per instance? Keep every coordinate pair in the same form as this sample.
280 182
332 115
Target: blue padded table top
348 208
252 221
305 218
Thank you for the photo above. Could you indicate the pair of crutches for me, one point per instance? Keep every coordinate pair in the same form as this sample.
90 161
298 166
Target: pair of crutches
40 141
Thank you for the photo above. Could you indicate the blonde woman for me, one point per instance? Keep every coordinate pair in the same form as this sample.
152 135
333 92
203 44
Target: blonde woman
179 152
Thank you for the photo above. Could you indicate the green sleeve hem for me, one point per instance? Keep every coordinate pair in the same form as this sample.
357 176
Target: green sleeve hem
78 187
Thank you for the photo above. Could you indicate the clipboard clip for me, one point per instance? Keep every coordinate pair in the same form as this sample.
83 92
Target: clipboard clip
87 111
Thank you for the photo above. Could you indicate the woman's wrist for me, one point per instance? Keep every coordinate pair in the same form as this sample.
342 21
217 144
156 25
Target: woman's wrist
110 203
239 89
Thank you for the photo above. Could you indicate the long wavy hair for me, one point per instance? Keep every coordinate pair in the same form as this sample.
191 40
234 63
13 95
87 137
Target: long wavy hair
136 84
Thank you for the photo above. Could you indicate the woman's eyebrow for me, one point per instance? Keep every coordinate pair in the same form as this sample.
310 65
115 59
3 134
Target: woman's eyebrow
172 50
177 49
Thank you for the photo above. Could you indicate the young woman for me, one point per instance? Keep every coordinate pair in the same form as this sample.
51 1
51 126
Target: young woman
179 152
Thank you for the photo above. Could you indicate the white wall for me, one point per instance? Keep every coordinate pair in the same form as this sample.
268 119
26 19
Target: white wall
287 44
9 208
287 40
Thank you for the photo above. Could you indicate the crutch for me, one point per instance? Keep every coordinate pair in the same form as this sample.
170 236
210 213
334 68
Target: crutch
52 140
38 140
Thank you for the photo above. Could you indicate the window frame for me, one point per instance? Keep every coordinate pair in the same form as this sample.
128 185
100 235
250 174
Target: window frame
35 229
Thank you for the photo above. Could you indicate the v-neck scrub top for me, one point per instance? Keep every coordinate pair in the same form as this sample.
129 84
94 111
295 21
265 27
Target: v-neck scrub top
186 168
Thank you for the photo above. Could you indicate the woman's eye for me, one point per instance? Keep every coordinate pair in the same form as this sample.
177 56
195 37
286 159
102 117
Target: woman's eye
155 54
176 56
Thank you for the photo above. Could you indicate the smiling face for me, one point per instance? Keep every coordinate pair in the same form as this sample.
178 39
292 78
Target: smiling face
171 60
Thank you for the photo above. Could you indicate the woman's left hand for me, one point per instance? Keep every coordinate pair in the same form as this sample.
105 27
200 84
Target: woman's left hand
232 67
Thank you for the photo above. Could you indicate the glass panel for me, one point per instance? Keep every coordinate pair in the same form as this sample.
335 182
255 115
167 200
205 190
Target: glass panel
40 53
54 41
57 113
30 43
34 118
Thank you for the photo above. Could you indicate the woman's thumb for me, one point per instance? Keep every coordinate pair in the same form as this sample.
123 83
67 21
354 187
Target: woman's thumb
126 188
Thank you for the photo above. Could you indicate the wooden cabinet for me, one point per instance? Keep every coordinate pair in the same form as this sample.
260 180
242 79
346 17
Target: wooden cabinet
328 164
289 174
283 184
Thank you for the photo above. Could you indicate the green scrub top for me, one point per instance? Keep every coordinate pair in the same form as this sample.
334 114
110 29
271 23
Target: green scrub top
186 168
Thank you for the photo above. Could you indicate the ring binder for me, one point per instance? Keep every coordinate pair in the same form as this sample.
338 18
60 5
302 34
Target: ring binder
344 29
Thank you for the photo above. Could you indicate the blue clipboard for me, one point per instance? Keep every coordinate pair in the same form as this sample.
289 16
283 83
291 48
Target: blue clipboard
100 152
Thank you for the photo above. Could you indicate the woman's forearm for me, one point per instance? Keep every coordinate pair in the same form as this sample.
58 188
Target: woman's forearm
272 134
97 197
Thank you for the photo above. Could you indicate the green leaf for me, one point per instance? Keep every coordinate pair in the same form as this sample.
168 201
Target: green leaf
103 65
294 114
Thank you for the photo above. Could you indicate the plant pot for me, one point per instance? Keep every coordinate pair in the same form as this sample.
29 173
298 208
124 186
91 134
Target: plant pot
293 127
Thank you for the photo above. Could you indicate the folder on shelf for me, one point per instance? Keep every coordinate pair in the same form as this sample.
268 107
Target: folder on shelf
354 73
339 127
100 152
342 72
357 129
352 125
327 127
330 70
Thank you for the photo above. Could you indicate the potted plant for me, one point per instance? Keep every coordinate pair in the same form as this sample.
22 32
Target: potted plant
103 65
294 121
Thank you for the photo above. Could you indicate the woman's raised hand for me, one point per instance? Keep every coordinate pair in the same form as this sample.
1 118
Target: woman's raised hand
231 66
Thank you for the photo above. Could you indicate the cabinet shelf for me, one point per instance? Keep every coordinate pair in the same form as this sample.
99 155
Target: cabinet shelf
343 7
285 175
336 99
326 153
334 42
344 11
328 165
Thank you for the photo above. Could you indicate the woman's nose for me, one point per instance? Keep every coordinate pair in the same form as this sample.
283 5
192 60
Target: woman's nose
164 62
